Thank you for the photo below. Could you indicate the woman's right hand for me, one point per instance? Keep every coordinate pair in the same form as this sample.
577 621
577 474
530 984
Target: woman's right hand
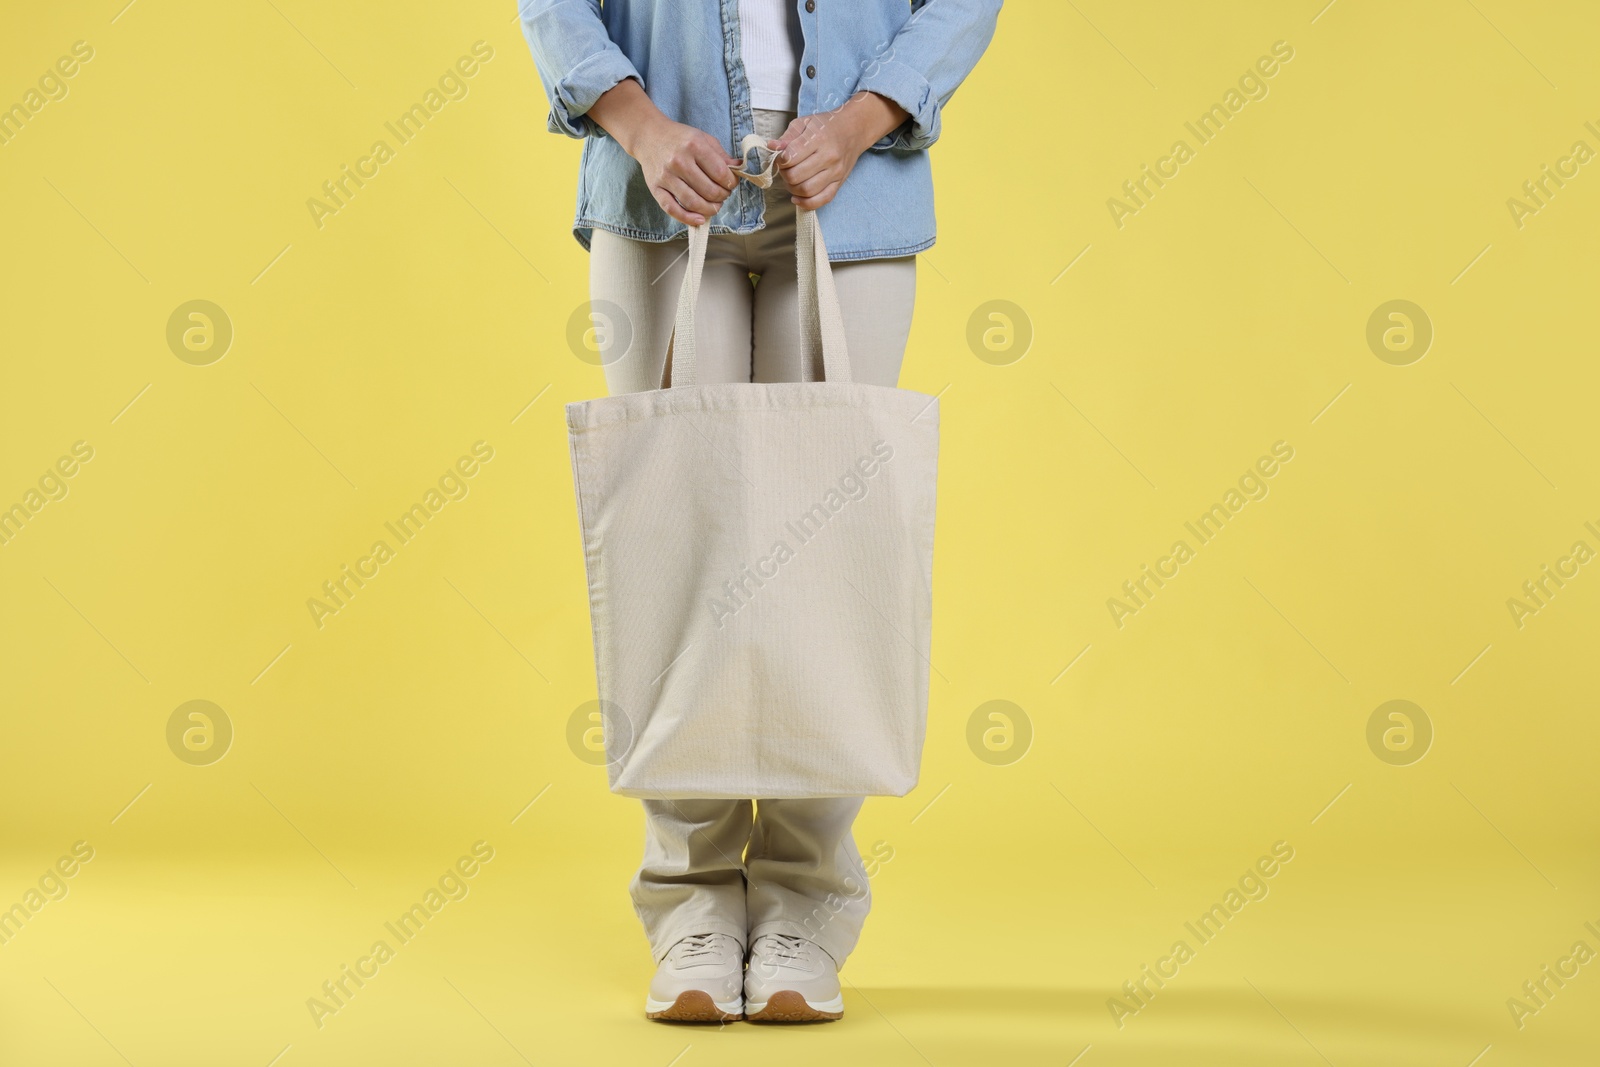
688 172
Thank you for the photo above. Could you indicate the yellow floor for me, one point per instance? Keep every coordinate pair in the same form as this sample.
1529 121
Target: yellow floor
193 962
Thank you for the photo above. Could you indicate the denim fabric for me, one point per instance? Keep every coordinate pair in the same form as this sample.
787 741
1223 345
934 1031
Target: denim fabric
685 53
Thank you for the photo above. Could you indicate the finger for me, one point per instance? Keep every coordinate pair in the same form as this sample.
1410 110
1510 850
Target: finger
704 185
813 185
686 195
710 185
698 183
802 170
803 188
795 133
792 131
714 163
812 132
676 210
794 155
682 166
811 203
671 205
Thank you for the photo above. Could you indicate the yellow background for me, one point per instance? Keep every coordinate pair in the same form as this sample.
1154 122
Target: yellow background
1228 314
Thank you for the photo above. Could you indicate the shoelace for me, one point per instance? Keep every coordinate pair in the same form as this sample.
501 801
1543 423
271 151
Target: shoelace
694 945
789 948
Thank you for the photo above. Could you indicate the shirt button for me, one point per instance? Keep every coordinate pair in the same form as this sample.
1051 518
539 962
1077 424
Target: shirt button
811 72
811 5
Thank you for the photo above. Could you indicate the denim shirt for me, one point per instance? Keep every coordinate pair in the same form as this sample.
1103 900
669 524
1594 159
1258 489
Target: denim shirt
686 55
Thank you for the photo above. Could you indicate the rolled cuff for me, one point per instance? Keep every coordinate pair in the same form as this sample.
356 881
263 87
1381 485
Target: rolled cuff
906 86
574 95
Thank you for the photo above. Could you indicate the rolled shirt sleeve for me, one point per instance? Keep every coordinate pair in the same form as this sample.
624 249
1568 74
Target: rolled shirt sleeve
925 63
576 58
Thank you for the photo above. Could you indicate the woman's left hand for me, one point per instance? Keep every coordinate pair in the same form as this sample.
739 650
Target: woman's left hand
819 151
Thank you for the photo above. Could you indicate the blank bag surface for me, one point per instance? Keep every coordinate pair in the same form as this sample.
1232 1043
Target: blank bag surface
759 561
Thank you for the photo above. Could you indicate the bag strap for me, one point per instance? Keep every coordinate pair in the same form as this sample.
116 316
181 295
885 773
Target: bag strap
821 322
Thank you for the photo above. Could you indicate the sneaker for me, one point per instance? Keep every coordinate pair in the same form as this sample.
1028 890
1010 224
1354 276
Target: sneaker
791 980
700 980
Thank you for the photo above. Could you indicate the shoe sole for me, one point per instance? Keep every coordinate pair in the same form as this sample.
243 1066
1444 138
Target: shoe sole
787 1006
694 1006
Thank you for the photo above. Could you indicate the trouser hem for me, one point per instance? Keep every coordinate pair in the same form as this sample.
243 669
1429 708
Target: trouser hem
661 943
837 944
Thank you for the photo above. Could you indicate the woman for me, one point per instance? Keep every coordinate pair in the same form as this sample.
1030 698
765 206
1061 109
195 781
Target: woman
848 93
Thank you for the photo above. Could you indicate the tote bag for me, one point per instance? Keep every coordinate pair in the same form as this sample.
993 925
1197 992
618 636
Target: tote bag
759 561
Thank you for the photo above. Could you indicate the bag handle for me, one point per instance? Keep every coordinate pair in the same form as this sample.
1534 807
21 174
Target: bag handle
821 322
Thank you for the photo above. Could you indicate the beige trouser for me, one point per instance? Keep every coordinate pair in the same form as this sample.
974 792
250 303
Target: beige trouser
801 874
735 866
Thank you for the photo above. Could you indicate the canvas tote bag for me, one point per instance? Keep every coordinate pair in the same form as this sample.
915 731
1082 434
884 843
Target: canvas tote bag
759 562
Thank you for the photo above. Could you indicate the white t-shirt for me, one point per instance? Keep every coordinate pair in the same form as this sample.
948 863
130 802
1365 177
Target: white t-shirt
770 39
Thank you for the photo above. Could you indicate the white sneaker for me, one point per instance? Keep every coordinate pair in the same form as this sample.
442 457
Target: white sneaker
700 980
791 980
